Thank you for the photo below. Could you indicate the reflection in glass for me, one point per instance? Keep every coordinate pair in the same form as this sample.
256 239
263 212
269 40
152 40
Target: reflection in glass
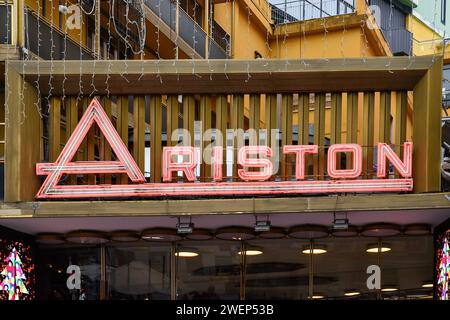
52 277
139 272
281 272
213 274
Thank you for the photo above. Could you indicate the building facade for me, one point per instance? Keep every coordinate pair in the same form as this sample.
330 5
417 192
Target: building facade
233 150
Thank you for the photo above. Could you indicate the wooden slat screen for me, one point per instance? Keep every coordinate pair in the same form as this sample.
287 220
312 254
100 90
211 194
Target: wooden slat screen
148 122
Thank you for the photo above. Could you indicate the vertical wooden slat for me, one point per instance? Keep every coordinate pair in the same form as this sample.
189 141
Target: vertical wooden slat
105 148
303 125
352 123
173 112
368 132
427 138
286 133
319 135
122 128
139 131
336 118
155 138
400 122
270 117
54 128
336 121
90 146
385 117
221 127
188 119
255 118
237 122
303 119
271 123
205 118
71 122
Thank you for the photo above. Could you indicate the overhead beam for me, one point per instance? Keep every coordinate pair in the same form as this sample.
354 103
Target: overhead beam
194 76
225 206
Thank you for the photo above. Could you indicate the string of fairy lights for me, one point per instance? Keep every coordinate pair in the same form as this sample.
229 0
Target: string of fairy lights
128 30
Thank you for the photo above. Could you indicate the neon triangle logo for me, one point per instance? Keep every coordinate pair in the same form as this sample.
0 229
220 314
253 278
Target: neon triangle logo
64 165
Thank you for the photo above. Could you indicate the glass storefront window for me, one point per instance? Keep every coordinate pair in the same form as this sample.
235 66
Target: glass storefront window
404 265
341 272
215 269
52 272
407 268
212 271
138 272
276 269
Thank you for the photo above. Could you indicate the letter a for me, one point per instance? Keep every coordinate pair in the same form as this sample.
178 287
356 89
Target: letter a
64 165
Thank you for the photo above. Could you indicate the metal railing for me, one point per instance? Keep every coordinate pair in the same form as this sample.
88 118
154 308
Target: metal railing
51 45
399 40
5 23
189 30
299 10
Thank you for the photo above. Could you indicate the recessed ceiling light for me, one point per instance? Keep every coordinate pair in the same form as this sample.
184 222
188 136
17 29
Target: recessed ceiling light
389 289
316 249
252 251
427 284
378 248
186 252
317 296
352 293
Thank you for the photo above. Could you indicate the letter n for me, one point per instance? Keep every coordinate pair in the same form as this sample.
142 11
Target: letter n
404 167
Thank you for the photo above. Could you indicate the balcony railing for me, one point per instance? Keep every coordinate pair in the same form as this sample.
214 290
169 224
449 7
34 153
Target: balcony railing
399 41
5 24
300 10
189 30
51 45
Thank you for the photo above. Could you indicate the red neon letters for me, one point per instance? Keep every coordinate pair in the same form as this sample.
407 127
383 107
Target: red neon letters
185 159
355 150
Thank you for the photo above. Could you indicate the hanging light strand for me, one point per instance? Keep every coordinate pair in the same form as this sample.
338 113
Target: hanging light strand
64 61
248 43
226 39
344 31
24 62
80 80
108 49
52 52
38 78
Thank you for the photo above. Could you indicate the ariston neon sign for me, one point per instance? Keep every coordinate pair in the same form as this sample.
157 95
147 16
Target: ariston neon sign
253 181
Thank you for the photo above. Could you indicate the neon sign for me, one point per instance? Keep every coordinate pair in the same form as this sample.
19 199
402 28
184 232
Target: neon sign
253 181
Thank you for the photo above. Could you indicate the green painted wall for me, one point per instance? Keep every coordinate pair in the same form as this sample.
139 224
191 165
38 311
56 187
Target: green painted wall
429 11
